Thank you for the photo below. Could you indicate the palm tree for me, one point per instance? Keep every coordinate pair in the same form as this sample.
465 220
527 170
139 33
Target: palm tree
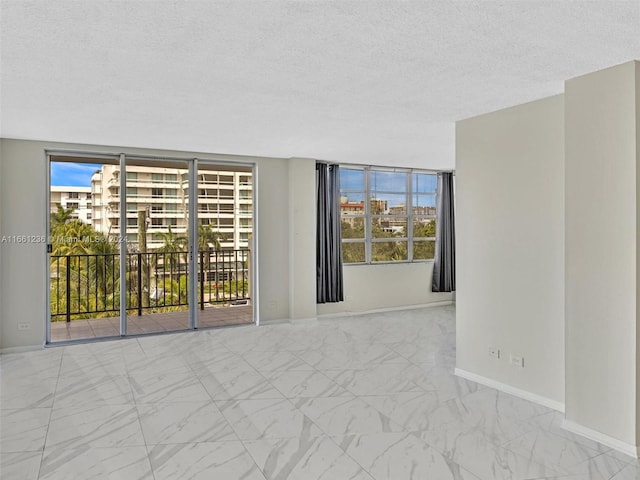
173 245
207 237
85 255
103 263
72 237
60 216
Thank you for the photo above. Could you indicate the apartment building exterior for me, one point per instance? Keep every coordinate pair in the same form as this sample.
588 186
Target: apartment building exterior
77 198
161 194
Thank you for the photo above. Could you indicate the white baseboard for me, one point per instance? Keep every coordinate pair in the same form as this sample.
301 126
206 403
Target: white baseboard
387 309
325 316
626 448
517 392
303 320
280 321
28 348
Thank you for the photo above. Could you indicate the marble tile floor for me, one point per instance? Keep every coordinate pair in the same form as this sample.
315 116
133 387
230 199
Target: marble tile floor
369 397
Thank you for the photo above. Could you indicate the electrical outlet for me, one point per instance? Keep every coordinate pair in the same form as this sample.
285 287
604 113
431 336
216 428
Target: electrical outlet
494 352
24 326
516 361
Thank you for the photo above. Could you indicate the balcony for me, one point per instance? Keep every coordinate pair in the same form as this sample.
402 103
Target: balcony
85 292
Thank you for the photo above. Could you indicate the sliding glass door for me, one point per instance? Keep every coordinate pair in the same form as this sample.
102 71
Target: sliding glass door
146 245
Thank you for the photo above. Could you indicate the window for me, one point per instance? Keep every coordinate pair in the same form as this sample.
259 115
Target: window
208 221
72 205
387 215
132 222
132 176
73 194
157 208
156 192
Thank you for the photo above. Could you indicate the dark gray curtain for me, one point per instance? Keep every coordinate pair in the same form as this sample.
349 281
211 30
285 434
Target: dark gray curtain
328 241
444 267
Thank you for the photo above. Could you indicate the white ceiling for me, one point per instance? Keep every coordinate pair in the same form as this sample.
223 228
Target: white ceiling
374 82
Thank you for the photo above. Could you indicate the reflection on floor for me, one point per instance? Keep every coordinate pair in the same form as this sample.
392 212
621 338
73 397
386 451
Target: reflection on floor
359 398
148 323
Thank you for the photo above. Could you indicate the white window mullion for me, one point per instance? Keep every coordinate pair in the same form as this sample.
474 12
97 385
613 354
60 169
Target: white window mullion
368 234
409 204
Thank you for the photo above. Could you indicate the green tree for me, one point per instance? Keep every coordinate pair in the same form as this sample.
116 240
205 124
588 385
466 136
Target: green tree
72 237
104 263
61 215
352 252
207 237
424 249
173 246
387 251
89 277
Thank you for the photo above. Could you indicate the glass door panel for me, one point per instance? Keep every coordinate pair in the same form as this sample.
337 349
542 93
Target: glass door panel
225 228
84 260
157 236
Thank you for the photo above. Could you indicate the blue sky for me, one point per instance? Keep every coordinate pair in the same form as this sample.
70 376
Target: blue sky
424 185
72 174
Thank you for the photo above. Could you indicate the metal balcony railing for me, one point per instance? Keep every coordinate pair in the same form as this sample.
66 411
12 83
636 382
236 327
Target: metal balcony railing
88 286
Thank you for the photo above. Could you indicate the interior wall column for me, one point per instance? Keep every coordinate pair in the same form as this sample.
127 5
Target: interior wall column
601 255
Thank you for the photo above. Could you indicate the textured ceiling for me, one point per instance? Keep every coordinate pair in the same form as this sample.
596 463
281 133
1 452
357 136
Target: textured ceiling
374 82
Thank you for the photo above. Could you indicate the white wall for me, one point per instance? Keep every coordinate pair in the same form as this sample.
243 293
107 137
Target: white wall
24 207
601 251
510 243
378 287
302 240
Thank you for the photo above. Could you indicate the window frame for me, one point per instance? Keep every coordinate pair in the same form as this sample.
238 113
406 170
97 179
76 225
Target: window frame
368 218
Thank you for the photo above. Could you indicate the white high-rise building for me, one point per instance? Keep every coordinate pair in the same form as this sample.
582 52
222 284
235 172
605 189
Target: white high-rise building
77 198
224 203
